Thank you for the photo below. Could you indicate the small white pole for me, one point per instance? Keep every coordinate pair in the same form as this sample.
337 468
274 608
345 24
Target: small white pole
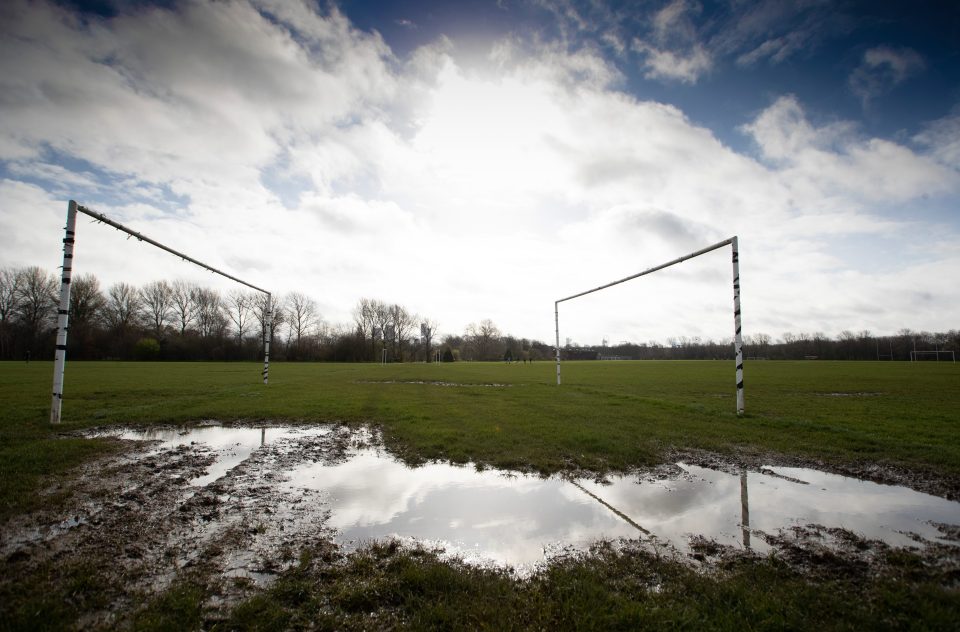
63 314
737 337
268 335
556 322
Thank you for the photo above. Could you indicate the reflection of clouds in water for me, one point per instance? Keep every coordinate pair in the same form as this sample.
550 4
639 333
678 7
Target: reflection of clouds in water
870 509
506 518
708 503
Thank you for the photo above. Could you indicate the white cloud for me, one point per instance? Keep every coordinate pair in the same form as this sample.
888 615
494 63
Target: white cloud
832 160
882 69
673 50
942 138
463 191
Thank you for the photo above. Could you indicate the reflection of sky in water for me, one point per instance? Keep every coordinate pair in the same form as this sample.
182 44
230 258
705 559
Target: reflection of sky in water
513 519
509 519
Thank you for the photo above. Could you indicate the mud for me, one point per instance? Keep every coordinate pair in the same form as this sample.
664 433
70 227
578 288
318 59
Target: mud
137 517
151 515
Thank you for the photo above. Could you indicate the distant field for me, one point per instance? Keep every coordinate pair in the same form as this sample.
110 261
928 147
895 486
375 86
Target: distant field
606 415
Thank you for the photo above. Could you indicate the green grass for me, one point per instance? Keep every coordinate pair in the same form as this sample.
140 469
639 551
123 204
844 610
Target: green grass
383 587
606 415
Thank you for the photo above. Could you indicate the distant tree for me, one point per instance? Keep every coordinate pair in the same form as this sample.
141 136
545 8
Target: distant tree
207 307
146 349
239 306
403 323
303 314
124 307
87 305
182 303
447 355
363 317
158 305
428 330
9 307
86 301
484 339
37 303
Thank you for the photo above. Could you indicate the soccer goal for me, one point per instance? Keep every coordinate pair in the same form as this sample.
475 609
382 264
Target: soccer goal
64 311
737 338
920 356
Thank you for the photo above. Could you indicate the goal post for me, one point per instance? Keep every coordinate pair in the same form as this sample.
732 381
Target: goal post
915 355
63 312
737 337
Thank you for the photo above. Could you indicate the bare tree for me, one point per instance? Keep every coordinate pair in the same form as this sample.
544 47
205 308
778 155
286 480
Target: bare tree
428 331
303 314
37 304
158 303
403 322
239 306
381 319
484 338
208 312
87 302
363 316
123 308
182 302
9 306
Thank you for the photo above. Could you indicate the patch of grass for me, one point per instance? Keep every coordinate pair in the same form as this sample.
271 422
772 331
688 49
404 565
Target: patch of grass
606 415
383 586
178 608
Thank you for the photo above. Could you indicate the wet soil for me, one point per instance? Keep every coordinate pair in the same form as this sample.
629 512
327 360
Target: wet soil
138 520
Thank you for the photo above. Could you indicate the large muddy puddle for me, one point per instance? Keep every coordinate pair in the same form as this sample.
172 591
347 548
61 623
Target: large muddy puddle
519 520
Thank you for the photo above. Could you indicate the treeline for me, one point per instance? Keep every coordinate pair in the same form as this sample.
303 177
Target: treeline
847 345
181 320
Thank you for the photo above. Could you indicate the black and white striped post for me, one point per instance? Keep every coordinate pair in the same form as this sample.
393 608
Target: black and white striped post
63 313
267 337
737 336
737 340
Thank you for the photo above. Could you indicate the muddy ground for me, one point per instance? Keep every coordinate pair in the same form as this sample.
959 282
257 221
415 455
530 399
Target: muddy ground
138 524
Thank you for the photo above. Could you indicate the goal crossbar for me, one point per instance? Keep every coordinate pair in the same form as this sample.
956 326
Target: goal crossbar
738 338
63 313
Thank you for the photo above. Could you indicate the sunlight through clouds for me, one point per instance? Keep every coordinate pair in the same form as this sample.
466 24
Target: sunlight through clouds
308 154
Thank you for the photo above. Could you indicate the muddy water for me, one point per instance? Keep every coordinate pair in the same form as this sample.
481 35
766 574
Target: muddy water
519 520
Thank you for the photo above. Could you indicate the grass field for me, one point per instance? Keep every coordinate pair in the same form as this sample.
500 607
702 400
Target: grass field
606 416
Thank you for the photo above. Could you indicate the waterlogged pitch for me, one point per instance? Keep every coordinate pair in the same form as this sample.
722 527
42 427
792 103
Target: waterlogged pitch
220 530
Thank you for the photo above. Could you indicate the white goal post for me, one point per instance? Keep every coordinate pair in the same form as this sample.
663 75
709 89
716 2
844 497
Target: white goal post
915 355
64 311
737 337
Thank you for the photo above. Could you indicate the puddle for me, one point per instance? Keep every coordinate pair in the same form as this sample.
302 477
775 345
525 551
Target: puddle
521 520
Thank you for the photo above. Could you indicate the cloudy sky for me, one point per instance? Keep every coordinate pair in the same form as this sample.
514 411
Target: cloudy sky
481 159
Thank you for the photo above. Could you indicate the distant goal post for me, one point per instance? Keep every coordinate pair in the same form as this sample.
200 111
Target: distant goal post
63 313
737 337
920 356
